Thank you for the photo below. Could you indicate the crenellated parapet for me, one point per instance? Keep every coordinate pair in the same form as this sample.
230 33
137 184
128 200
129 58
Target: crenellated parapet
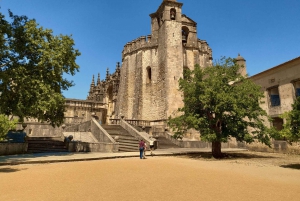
141 43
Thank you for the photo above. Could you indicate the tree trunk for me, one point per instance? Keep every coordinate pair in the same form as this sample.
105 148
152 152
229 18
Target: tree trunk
216 149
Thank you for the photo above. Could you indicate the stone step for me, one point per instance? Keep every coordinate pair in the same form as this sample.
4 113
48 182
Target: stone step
128 150
56 139
126 141
128 147
42 145
46 145
46 150
133 141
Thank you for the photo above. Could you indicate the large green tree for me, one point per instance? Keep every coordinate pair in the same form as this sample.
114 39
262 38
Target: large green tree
32 63
221 104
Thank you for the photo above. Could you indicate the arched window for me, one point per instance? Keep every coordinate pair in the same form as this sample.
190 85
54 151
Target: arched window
173 14
185 33
148 75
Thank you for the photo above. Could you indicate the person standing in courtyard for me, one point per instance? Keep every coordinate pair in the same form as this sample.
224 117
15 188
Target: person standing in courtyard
141 148
151 144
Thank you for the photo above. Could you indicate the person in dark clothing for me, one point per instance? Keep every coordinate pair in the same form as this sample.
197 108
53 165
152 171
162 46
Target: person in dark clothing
141 147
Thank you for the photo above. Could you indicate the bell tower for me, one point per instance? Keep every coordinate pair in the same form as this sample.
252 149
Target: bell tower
167 32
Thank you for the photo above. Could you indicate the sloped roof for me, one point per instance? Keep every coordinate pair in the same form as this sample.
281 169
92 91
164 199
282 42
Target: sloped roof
277 67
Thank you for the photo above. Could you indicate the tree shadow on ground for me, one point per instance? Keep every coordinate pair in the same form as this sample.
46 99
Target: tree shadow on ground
10 170
292 166
228 156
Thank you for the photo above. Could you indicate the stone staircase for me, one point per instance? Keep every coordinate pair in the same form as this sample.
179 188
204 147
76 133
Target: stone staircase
46 144
127 143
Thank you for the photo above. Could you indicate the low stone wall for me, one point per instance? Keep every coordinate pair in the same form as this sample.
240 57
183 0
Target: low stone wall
134 132
93 147
278 146
36 129
82 127
13 148
186 144
100 134
95 128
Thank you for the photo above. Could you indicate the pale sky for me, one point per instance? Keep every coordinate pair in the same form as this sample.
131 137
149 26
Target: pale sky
265 32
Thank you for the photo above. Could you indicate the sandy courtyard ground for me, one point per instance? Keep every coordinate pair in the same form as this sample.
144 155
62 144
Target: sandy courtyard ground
250 176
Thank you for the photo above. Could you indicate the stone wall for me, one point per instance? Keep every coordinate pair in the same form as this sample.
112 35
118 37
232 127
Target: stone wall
93 147
156 96
277 147
130 129
13 148
100 134
36 129
281 77
95 128
78 111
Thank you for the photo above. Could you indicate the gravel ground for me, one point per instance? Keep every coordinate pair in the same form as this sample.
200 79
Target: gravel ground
241 176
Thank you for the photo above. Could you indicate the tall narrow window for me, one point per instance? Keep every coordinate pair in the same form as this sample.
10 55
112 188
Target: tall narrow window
274 96
185 33
173 14
149 75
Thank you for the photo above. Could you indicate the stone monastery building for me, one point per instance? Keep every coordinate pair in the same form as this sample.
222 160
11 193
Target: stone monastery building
145 85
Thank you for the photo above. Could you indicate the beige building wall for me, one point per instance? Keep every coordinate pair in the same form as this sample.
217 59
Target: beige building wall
78 111
281 81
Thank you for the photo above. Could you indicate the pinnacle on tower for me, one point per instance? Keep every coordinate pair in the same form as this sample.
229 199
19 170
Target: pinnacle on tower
93 82
98 79
107 73
118 65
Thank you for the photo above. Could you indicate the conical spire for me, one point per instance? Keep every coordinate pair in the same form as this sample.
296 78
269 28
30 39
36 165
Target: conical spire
93 82
98 79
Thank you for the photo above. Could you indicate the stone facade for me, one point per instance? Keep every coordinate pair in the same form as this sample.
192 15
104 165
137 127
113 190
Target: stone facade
145 85
78 111
281 86
152 65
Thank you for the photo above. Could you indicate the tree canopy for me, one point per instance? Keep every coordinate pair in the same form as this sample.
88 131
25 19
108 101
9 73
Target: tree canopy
32 64
6 125
220 103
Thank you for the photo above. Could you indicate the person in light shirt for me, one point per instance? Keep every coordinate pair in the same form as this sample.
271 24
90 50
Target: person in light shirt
151 144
